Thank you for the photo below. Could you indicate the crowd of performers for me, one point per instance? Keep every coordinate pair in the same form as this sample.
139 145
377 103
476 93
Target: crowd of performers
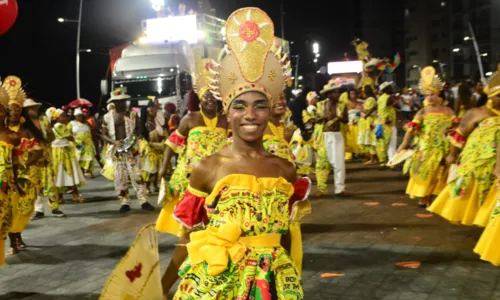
238 188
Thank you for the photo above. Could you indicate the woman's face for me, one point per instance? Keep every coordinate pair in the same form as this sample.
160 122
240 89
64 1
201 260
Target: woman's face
495 100
63 118
248 116
353 95
33 111
433 99
279 108
15 113
80 118
208 102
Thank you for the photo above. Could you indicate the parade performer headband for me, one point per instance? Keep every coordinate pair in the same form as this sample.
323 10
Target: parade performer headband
429 81
13 86
251 60
57 113
492 89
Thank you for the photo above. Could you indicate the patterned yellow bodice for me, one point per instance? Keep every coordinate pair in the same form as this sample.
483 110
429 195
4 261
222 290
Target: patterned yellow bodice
258 205
384 112
6 170
276 143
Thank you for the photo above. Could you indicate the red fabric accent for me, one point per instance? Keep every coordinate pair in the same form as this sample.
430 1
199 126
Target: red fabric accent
412 125
176 139
134 273
457 120
190 211
302 188
457 137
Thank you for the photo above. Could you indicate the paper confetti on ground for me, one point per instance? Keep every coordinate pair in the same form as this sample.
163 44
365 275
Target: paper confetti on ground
409 264
326 275
371 203
399 204
424 216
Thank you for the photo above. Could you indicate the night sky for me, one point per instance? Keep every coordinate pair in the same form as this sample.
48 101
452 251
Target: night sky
41 51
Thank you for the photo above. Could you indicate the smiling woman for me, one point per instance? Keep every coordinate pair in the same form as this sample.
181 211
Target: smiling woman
239 203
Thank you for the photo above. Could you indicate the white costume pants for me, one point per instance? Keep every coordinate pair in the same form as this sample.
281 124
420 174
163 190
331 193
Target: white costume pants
393 143
334 144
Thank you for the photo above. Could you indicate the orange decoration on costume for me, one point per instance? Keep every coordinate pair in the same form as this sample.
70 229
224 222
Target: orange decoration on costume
249 31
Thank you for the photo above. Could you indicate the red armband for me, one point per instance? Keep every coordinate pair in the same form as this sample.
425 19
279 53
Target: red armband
176 141
457 139
412 126
190 211
457 120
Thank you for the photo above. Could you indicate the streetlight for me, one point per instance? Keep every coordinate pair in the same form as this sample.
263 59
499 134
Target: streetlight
317 55
489 73
415 66
315 60
467 38
484 54
456 50
435 61
78 50
300 77
315 48
85 50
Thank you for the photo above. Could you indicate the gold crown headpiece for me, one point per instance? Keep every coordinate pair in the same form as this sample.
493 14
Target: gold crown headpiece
251 60
202 78
4 96
429 81
492 89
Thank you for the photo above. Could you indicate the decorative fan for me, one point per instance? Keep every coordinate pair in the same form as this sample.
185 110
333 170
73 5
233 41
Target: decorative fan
400 157
127 144
137 276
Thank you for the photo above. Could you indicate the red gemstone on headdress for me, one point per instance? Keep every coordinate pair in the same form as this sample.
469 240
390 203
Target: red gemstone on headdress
12 83
253 85
249 31
240 88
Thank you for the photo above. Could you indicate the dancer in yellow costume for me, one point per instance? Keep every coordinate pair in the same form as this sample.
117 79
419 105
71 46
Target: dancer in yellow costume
28 153
276 136
366 127
429 125
200 134
106 154
85 149
466 199
354 108
385 124
303 150
8 175
245 206
48 189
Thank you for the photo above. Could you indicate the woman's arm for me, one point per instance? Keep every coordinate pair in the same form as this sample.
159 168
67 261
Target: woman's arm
180 254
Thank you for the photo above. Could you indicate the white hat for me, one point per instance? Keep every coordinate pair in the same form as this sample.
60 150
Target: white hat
77 112
117 95
49 112
30 103
331 86
384 85
311 95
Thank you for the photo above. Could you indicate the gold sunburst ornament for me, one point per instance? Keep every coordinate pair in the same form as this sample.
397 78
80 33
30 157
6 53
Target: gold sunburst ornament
430 82
13 86
492 88
251 60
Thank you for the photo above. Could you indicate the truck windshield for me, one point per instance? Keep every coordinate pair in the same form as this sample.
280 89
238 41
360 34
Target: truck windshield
160 87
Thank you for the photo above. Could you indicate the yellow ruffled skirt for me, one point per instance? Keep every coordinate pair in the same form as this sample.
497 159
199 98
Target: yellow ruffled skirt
488 246
352 139
420 188
166 222
465 210
23 207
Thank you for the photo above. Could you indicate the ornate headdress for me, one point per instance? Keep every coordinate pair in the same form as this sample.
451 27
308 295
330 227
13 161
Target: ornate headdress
202 78
13 86
250 61
429 81
492 89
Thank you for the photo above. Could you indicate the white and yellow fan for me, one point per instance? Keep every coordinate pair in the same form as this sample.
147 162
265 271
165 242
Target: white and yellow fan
400 157
138 275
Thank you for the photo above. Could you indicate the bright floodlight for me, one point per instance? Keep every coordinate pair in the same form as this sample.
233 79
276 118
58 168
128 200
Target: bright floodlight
315 60
300 77
415 66
201 34
317 54
60 20
435 61
467 38
88 50
484 54
143 40
315 48
342 67
489 73
456 50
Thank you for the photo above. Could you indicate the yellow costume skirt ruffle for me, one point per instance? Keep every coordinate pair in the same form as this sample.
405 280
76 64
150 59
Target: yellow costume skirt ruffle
352 139
419 188
296 252
441 181
166 222
488 246
23 207
465 210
